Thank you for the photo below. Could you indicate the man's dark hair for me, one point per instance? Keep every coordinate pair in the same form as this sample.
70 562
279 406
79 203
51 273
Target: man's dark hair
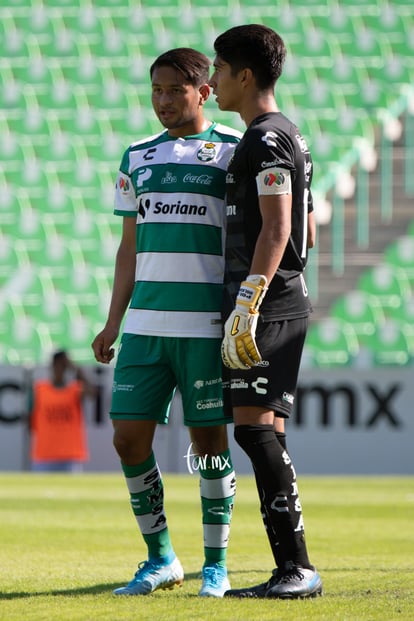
59 355
194 66
255 47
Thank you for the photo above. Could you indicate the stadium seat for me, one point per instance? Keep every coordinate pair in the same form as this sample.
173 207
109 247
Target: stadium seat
362 310
400 254
318 47
25 340
13 255
332 342
388 283
391 344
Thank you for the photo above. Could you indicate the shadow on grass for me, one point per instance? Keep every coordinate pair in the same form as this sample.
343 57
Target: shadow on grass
95 589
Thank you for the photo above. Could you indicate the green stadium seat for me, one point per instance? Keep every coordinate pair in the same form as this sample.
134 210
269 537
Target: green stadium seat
13 254
61 42
394 71
362 310
391 344
365 46
318 47
336 20
389 19
13 42
388 283
332 342
400 253
58 146
186 30
29 120
404 314
86 21
24 340
81 73
11 93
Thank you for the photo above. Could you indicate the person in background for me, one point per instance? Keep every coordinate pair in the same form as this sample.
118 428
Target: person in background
270 226
169 281
58 438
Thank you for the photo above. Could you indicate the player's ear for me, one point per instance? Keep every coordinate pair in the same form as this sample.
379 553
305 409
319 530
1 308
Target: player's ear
246 76
204 91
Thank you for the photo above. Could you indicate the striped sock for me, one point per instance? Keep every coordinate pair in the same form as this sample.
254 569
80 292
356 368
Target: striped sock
147 501
217 490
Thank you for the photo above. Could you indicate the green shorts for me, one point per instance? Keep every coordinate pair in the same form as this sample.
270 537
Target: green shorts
150 368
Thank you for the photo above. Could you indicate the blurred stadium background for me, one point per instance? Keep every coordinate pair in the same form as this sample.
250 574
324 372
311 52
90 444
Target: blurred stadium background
75 92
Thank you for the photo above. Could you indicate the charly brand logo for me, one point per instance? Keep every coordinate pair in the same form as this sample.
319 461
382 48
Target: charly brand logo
270 138
259 385
205 462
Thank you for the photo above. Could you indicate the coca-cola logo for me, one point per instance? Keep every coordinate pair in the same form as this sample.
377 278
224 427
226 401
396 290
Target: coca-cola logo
198 179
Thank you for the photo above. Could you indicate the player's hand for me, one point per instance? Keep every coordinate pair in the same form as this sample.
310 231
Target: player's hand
102 343
239 349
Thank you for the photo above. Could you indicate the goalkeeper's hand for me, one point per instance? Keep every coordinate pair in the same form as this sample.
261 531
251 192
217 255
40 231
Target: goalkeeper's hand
238 349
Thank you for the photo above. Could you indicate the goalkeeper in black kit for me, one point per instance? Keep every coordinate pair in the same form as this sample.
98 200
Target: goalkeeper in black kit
270 226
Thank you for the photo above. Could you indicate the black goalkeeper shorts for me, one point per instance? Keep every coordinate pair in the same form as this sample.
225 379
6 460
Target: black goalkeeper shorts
272 383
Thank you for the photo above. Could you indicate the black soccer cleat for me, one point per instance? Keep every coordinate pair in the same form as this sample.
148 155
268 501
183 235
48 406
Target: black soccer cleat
296 583
258 591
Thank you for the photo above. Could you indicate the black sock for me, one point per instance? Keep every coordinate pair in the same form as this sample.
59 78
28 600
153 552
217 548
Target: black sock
271 534
276 485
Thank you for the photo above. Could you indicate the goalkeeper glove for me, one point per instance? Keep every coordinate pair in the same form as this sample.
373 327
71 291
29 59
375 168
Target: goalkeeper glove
238 349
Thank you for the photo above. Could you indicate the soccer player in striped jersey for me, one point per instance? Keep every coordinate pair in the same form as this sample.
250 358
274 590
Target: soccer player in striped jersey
169 284
270 226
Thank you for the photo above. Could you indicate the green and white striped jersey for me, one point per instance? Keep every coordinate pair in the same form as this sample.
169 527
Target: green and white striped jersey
175 189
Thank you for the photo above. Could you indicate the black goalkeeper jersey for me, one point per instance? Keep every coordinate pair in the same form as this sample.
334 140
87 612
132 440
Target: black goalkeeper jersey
270 141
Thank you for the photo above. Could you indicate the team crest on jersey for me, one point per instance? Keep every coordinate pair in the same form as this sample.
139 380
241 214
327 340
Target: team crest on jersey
207 152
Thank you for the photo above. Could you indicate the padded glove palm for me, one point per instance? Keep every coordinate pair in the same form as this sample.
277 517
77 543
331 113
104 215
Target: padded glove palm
238 349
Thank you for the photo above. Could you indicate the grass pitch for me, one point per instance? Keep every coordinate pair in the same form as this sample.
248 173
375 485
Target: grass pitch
66 541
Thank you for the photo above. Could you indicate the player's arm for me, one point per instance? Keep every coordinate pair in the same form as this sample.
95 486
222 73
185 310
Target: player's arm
239 348
274 234
124 279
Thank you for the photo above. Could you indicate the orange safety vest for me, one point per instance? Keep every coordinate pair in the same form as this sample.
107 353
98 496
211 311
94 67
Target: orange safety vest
58 427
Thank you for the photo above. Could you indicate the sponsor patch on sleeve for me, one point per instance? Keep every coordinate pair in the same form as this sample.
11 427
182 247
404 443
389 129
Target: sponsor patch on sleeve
125 199
274 181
